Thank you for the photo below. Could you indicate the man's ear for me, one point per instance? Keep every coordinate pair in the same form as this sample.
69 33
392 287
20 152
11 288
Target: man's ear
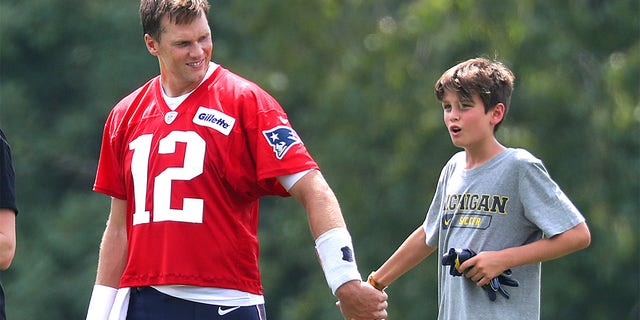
151 43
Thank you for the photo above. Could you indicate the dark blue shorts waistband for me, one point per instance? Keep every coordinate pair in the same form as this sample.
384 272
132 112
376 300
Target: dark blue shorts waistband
147 303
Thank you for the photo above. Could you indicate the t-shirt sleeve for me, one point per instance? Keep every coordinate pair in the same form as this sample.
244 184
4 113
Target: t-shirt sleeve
433 220
545 204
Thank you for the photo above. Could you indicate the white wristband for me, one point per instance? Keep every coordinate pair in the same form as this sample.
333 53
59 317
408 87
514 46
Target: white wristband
337 257
101 302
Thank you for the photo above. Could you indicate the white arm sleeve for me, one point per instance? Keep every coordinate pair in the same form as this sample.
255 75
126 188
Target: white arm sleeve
337 258
289 180
101 302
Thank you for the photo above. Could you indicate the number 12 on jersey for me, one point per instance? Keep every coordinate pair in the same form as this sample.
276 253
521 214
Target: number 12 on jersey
192 208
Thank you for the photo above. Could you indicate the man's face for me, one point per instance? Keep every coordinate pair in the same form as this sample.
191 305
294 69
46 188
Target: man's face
184 52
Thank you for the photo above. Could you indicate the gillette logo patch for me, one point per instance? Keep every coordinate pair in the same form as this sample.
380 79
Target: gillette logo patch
214 119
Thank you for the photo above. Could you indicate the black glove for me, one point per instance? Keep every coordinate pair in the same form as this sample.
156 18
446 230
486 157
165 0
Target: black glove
455 257
496 285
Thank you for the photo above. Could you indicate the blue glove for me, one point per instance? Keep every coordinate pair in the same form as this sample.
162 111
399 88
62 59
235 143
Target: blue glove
455 257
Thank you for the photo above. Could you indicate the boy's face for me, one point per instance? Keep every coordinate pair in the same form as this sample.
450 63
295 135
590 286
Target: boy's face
468 124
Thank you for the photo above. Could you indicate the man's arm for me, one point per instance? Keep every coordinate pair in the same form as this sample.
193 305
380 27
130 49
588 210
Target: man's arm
412 251
111 262
113 249
489 264
358 300
7 237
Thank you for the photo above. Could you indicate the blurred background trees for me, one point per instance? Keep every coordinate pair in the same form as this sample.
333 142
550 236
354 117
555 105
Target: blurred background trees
356 78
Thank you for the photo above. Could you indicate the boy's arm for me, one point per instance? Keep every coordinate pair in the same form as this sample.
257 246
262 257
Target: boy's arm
489 264
409 254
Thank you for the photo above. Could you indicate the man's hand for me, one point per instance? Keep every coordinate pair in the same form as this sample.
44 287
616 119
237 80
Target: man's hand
360 301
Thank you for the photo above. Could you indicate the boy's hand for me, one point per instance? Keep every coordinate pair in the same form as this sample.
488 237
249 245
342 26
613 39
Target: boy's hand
457 260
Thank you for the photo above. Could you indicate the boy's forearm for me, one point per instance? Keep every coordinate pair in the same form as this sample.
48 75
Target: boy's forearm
409 254
547 249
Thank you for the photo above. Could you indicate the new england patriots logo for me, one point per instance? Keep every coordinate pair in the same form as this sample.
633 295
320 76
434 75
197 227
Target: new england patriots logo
281 138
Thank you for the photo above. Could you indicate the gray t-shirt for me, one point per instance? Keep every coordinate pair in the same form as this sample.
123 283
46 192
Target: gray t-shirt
507 202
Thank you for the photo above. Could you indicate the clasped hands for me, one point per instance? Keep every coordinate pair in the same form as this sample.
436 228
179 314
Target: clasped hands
358 300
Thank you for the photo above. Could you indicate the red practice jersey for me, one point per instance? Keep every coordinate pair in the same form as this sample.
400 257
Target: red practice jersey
192 179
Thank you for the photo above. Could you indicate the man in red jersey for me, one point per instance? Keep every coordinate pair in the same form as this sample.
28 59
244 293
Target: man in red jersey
185 159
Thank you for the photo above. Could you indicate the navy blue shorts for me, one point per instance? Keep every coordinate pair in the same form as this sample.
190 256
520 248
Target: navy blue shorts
146 303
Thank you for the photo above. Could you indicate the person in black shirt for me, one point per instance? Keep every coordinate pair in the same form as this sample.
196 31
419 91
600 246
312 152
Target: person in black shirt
8 212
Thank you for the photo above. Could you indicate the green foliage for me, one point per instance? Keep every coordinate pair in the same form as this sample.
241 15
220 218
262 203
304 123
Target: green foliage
356 78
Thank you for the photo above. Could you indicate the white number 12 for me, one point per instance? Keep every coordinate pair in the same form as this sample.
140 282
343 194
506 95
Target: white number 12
192 208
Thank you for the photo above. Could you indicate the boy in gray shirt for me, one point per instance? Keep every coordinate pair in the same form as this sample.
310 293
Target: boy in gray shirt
491 200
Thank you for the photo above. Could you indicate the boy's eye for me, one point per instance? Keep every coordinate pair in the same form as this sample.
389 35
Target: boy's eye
446 106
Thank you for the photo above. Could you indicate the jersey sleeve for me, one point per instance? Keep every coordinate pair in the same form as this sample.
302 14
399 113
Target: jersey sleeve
267 146
279 150
109 176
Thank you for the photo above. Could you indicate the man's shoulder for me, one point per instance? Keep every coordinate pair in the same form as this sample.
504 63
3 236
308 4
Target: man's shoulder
137 94
227 80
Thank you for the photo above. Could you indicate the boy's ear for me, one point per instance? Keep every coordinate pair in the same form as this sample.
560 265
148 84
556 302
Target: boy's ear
497 114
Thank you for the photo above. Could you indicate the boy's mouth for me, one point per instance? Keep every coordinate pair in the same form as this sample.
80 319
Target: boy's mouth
455 129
